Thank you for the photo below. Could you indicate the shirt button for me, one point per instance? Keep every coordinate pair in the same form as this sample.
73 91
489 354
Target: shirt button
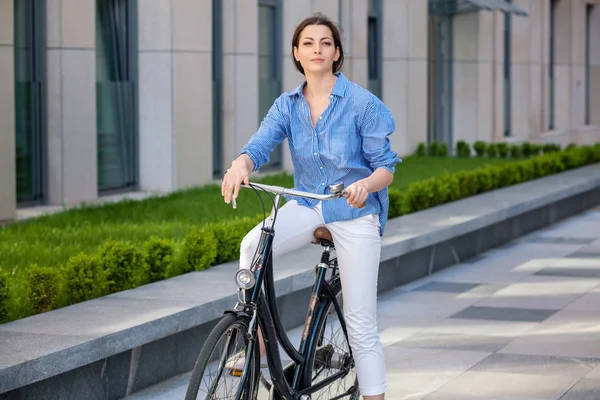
315 154
321 167
323 183
331 96
321 117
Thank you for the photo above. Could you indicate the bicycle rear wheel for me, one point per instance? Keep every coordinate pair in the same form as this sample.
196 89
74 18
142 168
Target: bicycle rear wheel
332 352
212 377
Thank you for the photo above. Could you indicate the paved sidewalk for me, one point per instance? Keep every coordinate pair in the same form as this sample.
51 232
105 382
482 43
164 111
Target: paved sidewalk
517 322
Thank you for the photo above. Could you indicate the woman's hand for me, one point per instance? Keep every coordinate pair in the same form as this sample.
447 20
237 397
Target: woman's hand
357 194
234 177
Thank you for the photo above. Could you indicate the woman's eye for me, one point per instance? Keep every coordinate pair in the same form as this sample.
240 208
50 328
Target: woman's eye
307 43
327 43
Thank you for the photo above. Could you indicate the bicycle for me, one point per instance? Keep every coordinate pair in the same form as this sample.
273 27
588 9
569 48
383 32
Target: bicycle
317 364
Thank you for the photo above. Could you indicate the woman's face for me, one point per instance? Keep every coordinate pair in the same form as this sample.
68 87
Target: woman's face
316 50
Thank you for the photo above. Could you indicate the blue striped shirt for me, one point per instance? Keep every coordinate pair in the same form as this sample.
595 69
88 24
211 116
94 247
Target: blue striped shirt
348 143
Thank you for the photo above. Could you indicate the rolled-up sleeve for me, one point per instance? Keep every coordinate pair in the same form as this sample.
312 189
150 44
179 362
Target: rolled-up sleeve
376 127
272 131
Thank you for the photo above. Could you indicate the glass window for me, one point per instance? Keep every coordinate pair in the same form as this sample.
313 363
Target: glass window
269 64
116 94
439 82
217 76
507 66
30 100
552 55
374 47
588 50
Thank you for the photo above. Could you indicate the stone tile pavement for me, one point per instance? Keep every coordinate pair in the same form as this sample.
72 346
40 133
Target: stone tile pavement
518 322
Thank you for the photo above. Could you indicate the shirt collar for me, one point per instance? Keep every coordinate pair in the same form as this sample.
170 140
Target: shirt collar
339 89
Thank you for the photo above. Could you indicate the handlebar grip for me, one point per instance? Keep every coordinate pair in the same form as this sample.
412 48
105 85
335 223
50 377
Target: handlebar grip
363 205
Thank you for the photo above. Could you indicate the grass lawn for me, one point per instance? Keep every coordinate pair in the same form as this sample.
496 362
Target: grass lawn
51 240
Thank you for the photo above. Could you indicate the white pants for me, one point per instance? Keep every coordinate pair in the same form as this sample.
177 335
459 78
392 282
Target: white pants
358 250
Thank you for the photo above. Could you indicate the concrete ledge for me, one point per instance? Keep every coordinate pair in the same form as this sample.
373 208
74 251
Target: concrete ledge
116 345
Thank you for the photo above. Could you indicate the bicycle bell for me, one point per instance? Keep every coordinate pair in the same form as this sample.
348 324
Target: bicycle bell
336 188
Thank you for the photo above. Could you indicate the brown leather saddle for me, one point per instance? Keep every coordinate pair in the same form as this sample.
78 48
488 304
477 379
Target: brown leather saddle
323 237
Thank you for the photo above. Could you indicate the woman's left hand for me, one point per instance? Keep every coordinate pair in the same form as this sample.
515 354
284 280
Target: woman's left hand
357 194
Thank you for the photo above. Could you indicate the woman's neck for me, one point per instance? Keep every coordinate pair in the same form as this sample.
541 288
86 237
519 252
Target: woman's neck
318 86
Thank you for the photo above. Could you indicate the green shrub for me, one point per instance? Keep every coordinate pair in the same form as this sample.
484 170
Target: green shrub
502 149
484 179
229 236
535 149
451 184
43 284
467 183
438 149
573 158
396 203
124 265
4 294
526 149
419 195
526 170
550 148
480 148
158 257
492 150
421 150
508 174
515 151
596 152
463 149
199 250
84 279
442 150
571 146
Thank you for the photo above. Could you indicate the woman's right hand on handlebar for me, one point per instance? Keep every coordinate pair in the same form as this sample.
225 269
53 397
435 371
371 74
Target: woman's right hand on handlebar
234 177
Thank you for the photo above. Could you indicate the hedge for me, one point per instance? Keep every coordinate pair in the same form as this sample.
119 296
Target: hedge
120 266
492 150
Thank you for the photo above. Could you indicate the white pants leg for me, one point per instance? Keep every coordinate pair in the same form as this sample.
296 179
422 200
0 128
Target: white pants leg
358 249
294 229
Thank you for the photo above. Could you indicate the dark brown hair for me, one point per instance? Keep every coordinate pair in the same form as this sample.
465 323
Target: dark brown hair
319 19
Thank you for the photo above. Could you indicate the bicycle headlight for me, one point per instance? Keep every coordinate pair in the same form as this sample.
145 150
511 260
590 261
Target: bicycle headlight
245 279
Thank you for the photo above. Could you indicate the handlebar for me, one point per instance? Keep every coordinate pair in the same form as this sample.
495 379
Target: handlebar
337 191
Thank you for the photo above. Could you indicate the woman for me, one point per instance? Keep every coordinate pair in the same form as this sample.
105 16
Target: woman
337 131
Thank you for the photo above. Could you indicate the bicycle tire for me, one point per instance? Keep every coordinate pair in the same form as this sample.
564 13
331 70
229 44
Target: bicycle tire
326 303
204 358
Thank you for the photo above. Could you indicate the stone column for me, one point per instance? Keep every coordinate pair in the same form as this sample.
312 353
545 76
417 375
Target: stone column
192 91
175 94
404 77
8 193
354 39
528 52
475 77
71 72
240 75
562 65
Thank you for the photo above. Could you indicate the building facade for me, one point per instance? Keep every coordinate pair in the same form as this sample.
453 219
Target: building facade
105 96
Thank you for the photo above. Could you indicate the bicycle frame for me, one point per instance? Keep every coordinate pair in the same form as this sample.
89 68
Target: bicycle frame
263 311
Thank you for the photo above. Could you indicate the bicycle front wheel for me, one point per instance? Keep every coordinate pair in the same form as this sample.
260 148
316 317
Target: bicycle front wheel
331 353
219 370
